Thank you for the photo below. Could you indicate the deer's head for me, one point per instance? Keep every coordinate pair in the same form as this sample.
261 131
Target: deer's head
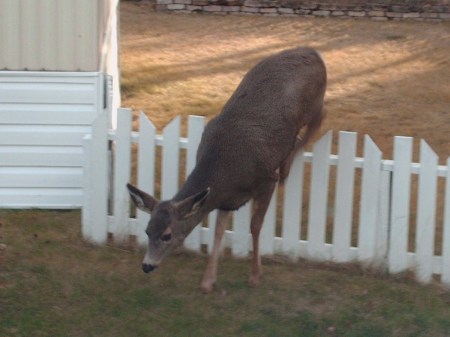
170 223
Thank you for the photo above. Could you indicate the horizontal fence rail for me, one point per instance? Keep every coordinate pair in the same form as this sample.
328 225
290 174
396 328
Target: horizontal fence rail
390 214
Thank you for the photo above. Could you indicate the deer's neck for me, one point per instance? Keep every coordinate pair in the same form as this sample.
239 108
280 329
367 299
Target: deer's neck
199 180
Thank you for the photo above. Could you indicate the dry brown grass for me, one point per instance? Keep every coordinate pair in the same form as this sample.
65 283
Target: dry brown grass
385 78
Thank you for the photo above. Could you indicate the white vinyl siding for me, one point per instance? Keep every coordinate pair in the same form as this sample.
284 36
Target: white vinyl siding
43 119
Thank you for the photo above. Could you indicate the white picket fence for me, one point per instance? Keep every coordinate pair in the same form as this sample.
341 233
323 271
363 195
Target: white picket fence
321 226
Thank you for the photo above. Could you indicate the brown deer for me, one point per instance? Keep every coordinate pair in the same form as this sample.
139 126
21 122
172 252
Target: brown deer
243 153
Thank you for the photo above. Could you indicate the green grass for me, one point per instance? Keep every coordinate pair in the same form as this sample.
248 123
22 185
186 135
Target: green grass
52 283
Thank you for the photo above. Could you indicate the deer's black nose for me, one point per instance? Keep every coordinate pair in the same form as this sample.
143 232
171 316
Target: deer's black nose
147 268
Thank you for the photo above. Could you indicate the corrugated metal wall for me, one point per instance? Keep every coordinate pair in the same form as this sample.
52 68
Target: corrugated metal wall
43 119
52 35
56 53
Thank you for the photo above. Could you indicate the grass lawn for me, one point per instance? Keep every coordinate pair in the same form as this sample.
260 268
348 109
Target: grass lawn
52 283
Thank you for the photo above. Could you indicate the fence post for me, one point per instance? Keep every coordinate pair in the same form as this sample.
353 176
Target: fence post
96 186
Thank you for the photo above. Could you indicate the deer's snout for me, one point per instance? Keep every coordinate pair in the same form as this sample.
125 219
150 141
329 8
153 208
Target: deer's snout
147 268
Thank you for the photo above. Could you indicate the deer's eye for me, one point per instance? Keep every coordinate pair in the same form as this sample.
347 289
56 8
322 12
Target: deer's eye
166 237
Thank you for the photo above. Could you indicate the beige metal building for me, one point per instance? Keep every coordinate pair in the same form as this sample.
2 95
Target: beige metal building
58 68
54 35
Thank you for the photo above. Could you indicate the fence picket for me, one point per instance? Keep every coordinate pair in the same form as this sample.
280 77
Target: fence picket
170 159
446 232
241 228
195 130
370 199
401 185
208 233
426 213
145 171
292 208
342 230
318 198
122 162
383 220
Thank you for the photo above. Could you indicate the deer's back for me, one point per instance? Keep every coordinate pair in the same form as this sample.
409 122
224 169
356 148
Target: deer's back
257 128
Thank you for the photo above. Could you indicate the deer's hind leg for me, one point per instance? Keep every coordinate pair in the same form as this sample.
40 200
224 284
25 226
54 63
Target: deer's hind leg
285 166
262 202
311 128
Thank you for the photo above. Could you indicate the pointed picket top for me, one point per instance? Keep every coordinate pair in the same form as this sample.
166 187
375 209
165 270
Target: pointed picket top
170 159
146 170
369 202
318 198
446 232
145 124
324 143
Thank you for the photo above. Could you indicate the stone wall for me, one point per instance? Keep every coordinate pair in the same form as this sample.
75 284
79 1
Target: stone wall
428 11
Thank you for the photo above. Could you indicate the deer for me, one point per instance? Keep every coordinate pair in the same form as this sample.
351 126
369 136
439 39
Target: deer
243 153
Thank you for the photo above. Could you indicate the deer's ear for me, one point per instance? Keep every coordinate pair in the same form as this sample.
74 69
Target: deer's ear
192 204
142 200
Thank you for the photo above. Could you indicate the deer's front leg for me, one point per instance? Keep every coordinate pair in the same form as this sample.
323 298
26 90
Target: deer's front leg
210 276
